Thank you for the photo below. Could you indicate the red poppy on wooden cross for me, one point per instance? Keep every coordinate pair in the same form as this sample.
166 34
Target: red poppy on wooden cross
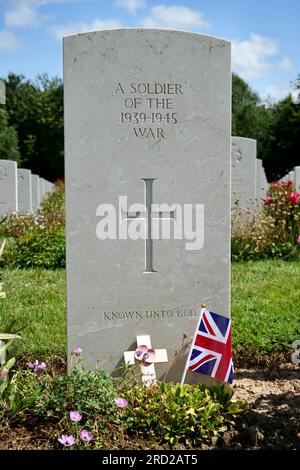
147 358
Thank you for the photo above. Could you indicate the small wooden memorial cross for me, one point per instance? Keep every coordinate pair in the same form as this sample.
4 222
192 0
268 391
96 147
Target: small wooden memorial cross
147 368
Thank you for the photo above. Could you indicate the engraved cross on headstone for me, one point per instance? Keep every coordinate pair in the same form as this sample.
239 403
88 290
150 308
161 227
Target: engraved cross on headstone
147 217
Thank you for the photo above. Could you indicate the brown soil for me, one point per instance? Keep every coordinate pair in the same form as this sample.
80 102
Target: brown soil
272 421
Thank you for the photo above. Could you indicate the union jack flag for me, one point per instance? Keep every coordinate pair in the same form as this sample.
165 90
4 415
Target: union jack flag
211 350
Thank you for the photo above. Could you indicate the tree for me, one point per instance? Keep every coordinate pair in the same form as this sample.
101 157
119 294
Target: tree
9 149
251 118
35 109
284 153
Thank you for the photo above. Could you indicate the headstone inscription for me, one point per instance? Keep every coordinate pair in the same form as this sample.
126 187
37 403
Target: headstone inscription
147 139
243 171
8 187
24 190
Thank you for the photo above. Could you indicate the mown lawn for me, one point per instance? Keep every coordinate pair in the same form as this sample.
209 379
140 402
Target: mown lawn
265 307
36 298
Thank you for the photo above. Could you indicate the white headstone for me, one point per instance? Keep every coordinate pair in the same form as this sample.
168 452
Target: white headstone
291 175
35 188
297 177
243 171
265 184
8 187
284 178
2 92
147 116
42 188
24 190
259 180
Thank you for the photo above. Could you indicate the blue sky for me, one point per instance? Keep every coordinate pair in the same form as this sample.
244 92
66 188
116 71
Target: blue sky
265 34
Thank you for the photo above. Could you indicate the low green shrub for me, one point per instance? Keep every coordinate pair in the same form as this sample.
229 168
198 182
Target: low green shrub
37 239
86 409
190 414
22 392
90 393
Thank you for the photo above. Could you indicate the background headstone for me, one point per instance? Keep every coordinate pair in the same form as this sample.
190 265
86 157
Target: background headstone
265 184
2 92
147 115
291 175
8 187
42 188
35 189
24 190
243 171
297 177
259 179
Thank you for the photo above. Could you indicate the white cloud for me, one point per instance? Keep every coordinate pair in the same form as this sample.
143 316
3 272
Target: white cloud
59 31
8 41
276 92
285 64
250 58
131 5
174 16
24 13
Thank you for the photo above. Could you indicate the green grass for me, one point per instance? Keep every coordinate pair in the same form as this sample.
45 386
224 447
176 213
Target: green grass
35 298
265 307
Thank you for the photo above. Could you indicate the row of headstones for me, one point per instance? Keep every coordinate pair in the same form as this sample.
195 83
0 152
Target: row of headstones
293 175
20 190
248 177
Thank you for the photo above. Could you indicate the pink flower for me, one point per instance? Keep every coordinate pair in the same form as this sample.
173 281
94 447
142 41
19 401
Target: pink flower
290 182
144 354
86 436
121 402
294 197
75 416
36 366
77 351
275 185
67 440
298 239
267 200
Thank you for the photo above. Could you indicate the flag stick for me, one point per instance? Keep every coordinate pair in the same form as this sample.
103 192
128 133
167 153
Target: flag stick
191 348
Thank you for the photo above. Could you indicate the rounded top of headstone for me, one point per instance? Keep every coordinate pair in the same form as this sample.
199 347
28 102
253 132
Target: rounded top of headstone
23 171
8 163
146 32
237 137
